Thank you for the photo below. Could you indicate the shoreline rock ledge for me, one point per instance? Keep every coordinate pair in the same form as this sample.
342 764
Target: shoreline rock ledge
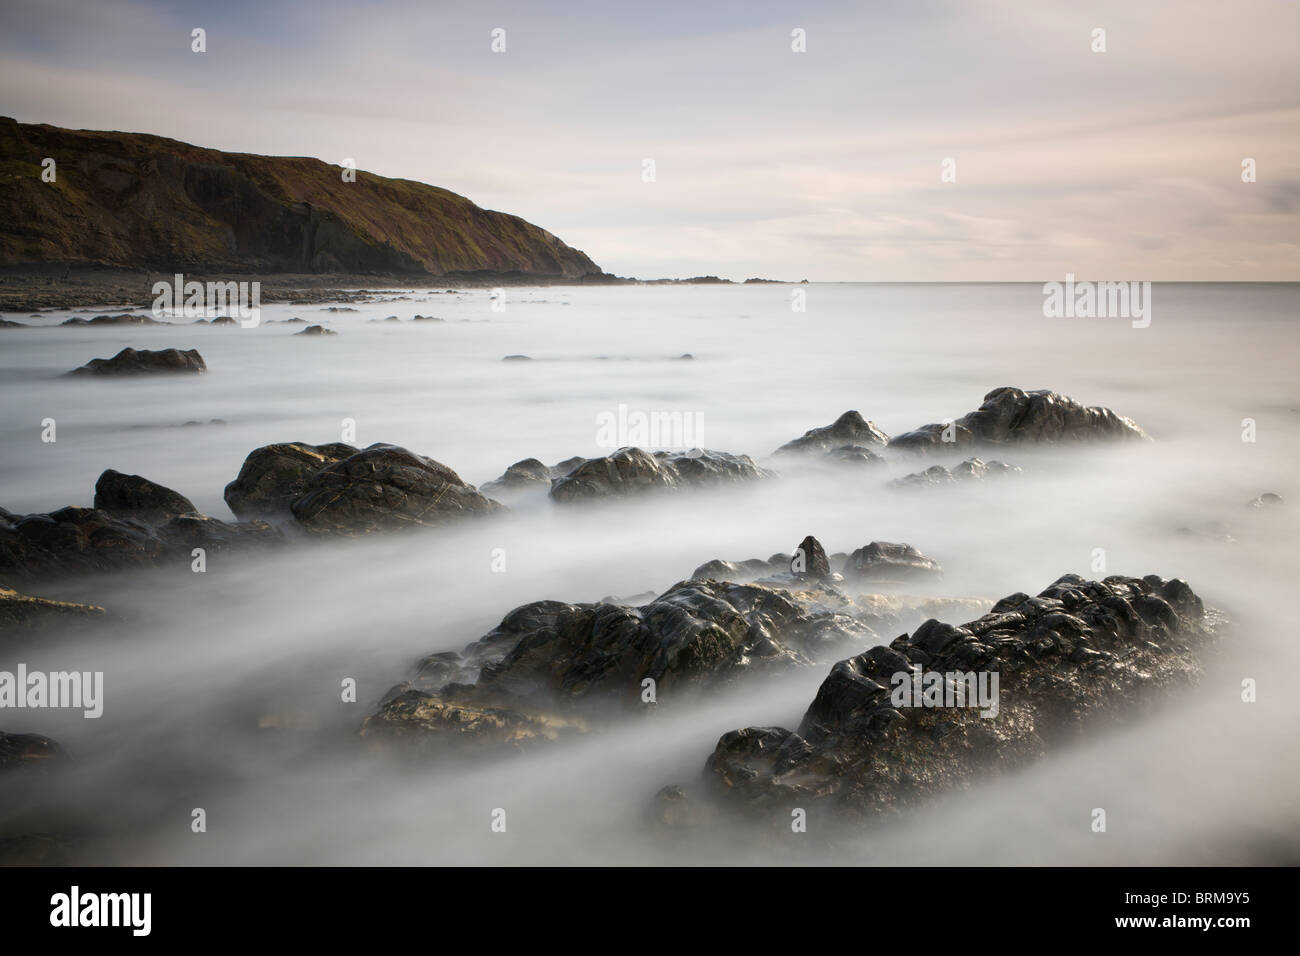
1080 654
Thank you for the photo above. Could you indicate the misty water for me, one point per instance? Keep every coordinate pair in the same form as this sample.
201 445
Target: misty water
222 688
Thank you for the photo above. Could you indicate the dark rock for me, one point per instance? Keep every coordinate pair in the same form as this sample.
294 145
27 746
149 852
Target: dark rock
809 560
130 496
124 319
316 330
1011 416
22 614
849 429
554 664
143 362
718 570
631 471
522 475
1079 652
274 475
882 561
384 487
517 358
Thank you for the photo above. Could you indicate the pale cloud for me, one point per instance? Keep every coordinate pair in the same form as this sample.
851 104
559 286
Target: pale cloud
822 165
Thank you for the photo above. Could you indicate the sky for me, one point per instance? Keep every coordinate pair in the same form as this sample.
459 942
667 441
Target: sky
825 164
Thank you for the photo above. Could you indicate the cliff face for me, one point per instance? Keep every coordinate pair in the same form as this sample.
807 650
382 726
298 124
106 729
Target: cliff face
144 202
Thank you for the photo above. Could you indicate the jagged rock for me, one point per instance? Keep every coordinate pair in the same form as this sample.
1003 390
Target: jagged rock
273 476
130 496
849 429
1080 650
630 471
550 662
385 487
143 362
23 614
316 330
888 561
969 469
28 751
809 560
1011 416
1266 500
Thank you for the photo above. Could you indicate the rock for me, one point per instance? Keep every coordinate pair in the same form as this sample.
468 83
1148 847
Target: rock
1079 651
809 560
529 473
8 324
142 362
384 487
555 664
130 496
1266 500
849 429
854 455
28 751
971 468
631 471
1011 416
23 614
718 570
426 318
316 330
517 358
123 319
885 561
273 476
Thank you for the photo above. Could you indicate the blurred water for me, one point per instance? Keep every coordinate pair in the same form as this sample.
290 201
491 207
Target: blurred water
197 666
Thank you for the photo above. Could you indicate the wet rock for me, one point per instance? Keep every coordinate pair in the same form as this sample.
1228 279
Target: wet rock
131 496
384 487
886 561
23 614
718 570
971 468
1012 416
550 662
273 476
124 318
316 330
28 751
883 732
809 560
528 474
1266 500
426 318
850 429
854 455
631 471
143 362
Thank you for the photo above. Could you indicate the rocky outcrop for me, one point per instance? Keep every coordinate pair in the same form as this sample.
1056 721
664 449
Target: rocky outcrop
131 361
273 476
1011 416
809 560
28 751
884 732
144 202
130 496
124 318
849 437
530 474
555 665
631 471
384 487
970 469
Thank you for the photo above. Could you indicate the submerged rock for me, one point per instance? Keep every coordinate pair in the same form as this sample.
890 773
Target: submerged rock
143 362
316 330
24 614
886 561
550 664
1011 416
125 318
849 430
28 751
971 468
384 487
631 471
883 732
